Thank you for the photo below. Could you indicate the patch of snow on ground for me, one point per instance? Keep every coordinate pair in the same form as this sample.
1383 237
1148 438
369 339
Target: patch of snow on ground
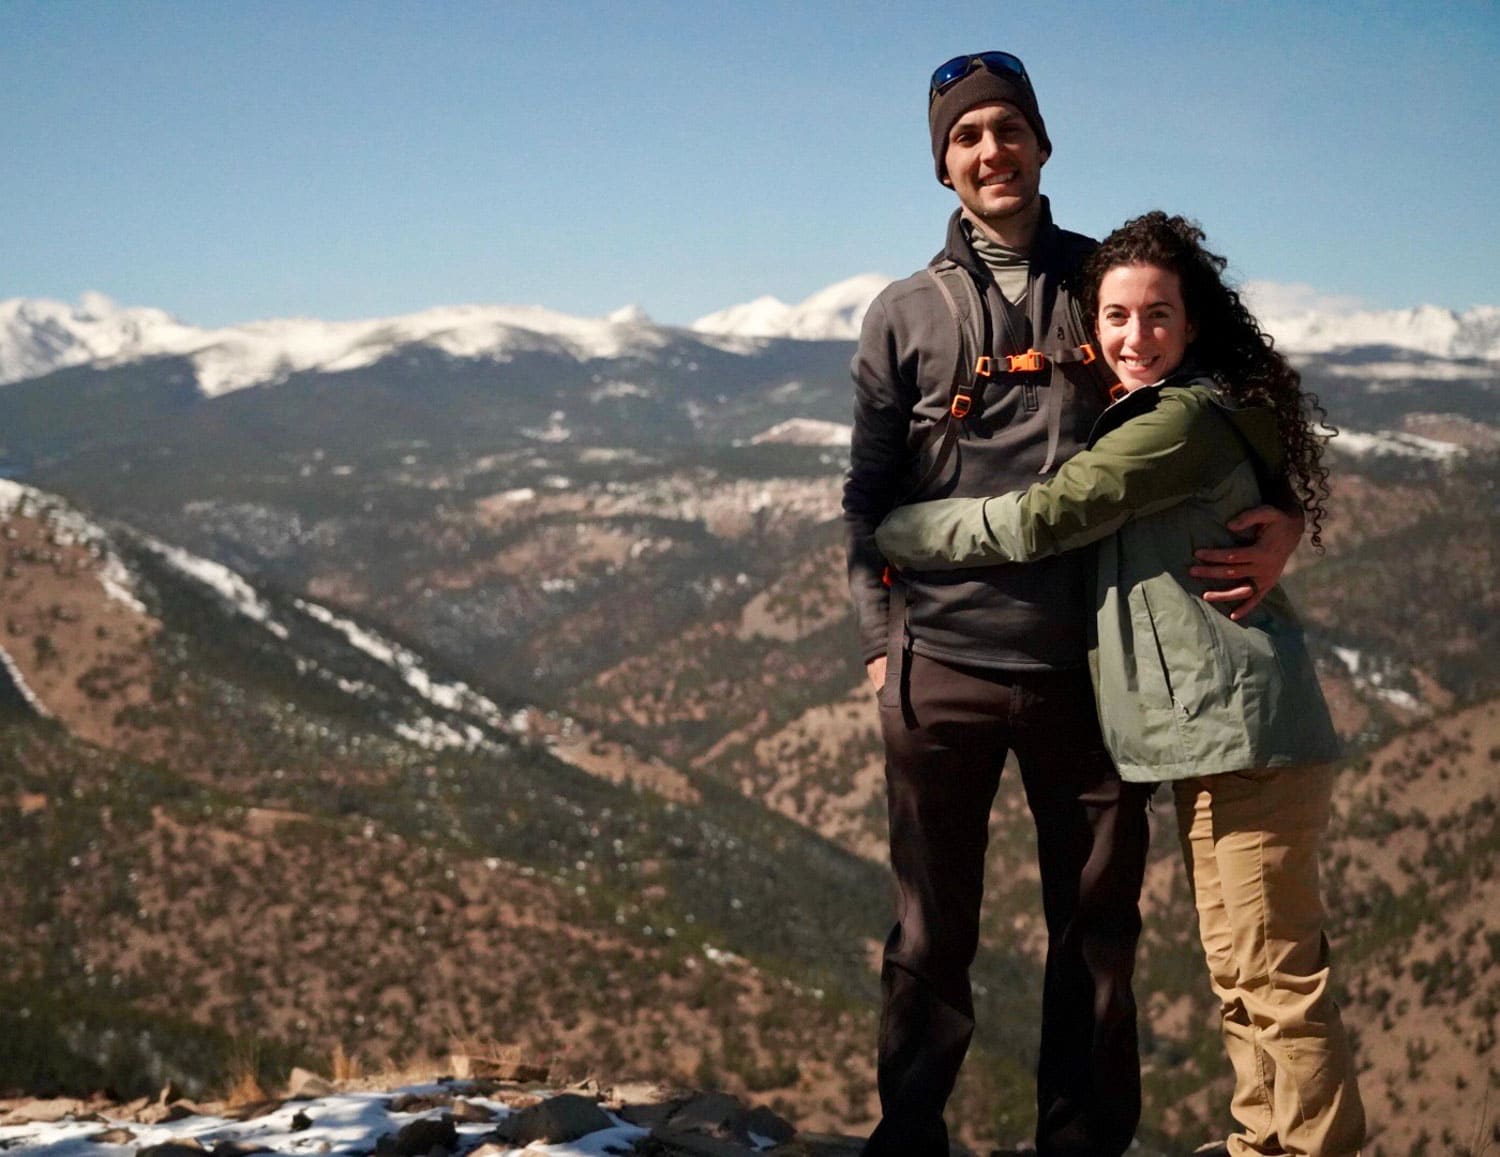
12 494
1369 679
617 389
434 735
1426 371
1391 442
1403 699
554 431
343 1124
806 432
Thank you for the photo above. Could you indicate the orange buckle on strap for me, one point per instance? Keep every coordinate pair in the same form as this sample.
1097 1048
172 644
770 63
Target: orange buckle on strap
984 367
1028 362
885 577
1088 353
1118 391
961 405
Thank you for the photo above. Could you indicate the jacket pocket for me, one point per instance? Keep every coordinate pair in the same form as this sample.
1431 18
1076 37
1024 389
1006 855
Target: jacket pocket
1187 648
1153 670
889 694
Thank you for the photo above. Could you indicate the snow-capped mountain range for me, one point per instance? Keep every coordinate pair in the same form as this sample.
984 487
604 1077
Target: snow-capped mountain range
1304 322
38 336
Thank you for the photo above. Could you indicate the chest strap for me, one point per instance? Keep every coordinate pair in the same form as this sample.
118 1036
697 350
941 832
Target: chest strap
977 366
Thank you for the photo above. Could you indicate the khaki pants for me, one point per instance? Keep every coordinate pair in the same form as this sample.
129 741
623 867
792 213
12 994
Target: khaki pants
1251 840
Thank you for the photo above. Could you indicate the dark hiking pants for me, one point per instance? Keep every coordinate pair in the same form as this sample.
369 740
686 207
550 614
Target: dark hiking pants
946 736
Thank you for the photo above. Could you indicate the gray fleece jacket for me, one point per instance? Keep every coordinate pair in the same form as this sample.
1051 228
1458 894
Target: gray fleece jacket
1031 616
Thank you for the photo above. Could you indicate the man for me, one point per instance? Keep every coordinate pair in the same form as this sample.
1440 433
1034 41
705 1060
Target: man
973 664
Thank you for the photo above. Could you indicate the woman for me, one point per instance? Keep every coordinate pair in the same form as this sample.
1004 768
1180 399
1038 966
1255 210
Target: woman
1210 418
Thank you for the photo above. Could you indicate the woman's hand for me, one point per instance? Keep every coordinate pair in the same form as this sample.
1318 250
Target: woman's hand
1257 565
875 669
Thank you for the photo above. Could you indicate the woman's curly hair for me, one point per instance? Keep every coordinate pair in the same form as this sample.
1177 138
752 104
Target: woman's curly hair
1229 345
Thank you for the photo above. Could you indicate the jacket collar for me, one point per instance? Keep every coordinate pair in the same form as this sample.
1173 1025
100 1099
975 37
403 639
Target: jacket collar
958 249
1144 398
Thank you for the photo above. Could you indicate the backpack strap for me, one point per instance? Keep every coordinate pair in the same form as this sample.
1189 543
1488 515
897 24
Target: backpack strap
1076 249
1046 289
973 336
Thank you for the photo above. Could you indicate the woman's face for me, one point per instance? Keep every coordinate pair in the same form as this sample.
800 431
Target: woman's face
1143 326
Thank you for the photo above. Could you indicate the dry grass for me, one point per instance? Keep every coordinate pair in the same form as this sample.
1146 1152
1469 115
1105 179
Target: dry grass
243 1085
344 1066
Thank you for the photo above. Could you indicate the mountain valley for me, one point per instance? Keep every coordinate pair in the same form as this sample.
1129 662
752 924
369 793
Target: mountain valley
447 697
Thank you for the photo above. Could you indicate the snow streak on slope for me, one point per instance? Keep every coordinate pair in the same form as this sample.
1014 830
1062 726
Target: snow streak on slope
456 697
482 716
19 680
228 585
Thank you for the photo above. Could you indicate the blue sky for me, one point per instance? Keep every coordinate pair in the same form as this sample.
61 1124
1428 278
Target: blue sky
231 161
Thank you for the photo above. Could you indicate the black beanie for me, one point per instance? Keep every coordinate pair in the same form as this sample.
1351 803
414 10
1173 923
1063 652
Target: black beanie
979 87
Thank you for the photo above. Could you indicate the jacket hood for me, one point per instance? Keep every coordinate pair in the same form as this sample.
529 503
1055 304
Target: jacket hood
1257 426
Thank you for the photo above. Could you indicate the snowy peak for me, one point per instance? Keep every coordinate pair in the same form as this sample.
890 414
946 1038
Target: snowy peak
832 314
39 336
629 315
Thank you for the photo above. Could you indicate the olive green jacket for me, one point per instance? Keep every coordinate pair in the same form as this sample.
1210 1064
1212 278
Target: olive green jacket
1182 690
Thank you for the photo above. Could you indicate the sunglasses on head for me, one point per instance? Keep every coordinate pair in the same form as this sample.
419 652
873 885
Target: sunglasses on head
946 75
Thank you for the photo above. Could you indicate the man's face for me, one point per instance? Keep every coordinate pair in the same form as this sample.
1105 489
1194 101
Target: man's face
994 162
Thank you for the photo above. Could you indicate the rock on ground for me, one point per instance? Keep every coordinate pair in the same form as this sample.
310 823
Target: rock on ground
565 1117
